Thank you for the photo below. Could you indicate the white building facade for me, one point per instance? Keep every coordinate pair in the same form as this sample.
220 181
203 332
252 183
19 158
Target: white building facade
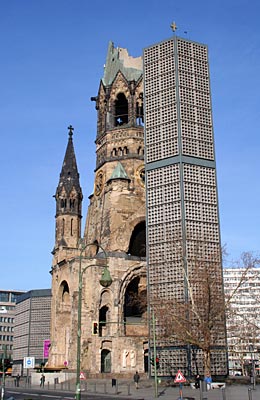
242 291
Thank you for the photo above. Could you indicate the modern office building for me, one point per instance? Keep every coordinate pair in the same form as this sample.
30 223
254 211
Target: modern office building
31 328
8 299
243 318
184 260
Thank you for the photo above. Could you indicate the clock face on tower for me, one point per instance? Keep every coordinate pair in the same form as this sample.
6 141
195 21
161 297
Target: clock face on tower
99 183
140 175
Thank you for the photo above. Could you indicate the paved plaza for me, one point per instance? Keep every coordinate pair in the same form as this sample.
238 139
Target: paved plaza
234 392
146 391
126 389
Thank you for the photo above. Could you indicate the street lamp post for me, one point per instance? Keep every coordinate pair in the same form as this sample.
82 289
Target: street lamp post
155 357
3 374
251 349
104 281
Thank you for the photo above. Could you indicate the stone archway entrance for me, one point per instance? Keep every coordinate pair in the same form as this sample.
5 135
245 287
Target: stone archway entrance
106 361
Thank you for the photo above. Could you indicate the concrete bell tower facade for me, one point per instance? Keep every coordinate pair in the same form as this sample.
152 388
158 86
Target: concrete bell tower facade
114 334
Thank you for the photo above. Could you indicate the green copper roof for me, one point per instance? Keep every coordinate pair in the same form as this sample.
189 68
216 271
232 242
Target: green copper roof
119 172
118 59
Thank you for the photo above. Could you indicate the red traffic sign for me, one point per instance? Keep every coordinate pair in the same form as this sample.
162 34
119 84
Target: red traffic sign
179 378
82 376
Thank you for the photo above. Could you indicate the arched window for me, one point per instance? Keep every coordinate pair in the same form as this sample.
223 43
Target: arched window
137 246
102 320
105 361
63 203
72 204
121 110
135 300
64 292
114 152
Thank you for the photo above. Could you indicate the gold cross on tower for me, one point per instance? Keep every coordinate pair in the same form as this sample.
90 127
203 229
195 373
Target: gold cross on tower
173 26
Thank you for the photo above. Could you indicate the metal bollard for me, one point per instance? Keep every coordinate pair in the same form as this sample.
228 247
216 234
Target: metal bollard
223 393
128 389
95 388
105 387
202 394
249 393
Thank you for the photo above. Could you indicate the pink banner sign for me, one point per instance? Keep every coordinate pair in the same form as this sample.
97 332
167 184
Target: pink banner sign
46 346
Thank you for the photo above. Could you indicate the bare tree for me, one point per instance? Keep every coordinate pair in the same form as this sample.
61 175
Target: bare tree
197 317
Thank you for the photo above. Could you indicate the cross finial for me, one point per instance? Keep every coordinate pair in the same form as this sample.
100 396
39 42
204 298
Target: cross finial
71 129
173 26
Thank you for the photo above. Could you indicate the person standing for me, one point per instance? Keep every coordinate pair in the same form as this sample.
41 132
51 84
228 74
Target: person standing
42 381
208 381
136 379
197 381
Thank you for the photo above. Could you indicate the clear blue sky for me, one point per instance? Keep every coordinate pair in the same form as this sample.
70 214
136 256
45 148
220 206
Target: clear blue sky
52 57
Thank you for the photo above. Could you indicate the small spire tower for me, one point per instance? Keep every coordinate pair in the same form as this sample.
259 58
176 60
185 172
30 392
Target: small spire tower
68 202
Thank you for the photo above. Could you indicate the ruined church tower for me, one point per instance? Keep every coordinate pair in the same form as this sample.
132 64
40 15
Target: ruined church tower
114 336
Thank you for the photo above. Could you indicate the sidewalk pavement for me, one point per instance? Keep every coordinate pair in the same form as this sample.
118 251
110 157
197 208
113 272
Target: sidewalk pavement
126 389
146 391
234 392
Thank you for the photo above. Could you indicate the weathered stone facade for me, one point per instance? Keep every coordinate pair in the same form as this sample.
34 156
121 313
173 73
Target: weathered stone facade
114 335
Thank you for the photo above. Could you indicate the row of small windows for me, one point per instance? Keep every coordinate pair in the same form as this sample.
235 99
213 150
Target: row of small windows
63 203
6 329
119 152
8 297
6 319
122 151
6 347
8 338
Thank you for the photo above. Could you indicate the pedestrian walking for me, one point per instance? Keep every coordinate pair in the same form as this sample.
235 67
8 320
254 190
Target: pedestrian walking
42 380
17 380
136 379
197 381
